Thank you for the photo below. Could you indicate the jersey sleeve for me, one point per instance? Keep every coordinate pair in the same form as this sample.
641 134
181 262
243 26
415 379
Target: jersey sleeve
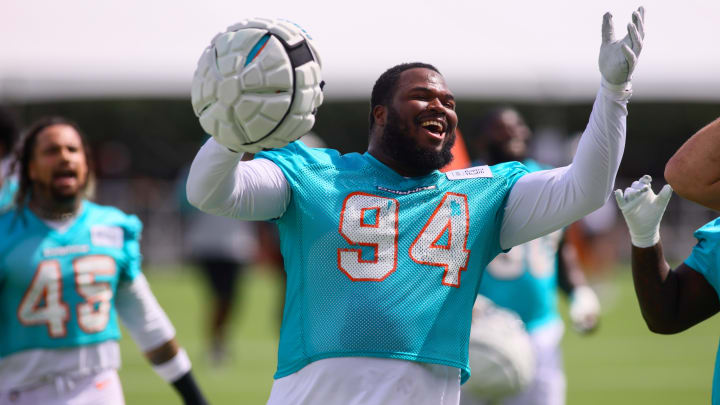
511 172
705 255
295 159
132 229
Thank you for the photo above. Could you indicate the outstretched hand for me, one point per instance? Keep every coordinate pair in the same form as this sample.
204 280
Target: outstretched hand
643 210
584 309
618 57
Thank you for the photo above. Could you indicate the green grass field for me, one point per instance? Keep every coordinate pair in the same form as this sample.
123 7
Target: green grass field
623 363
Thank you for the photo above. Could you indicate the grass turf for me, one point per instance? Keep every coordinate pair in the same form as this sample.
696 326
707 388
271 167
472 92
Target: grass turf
622 363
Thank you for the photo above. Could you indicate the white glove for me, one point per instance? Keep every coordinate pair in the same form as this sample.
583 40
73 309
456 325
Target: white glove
584 309
618 58
643 210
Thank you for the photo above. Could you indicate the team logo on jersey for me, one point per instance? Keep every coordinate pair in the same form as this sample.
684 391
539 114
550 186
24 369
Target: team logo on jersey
470 173
107 236
406 192
65 250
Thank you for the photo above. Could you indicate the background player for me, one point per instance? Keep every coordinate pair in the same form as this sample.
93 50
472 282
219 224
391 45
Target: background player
673 300
68 269
526 279
377 246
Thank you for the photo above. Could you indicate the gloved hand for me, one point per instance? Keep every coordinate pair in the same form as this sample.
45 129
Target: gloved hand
643 210
618 58
584 309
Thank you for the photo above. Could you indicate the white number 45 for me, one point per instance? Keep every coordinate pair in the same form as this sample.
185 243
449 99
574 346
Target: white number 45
92 314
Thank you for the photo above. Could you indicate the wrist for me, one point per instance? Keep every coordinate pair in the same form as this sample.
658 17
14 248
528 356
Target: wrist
620 87
620 92
645 240
174 368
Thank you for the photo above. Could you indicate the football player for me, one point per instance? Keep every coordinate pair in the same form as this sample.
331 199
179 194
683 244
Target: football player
672 300
68 269
383 252
526 279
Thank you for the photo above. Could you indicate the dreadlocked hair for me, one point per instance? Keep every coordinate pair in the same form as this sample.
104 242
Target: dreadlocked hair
24 154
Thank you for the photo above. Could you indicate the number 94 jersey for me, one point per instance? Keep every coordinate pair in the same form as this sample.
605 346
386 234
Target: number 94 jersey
380 265
57 288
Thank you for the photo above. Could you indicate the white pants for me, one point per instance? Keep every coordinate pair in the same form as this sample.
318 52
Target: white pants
101 388
549 385
368 381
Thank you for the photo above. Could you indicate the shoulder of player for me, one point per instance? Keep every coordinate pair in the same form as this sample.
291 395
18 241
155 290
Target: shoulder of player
6 216
299 155
509 169
12 224
108 215
709 231
533 165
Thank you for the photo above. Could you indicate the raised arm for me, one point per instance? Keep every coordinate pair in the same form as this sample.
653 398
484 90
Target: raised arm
220 182
542 202
694 170
670 300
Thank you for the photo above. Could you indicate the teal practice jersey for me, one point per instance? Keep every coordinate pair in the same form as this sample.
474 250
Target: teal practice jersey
7 192
705 259
525 279
57 289
380 265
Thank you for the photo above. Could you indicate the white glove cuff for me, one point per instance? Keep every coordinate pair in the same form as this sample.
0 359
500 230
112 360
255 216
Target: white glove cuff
622 90
647 240
174 368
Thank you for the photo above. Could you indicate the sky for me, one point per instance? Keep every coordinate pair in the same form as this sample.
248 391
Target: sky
506 49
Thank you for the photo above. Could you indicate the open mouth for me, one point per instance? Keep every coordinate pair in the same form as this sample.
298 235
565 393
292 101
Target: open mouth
435 127
65 178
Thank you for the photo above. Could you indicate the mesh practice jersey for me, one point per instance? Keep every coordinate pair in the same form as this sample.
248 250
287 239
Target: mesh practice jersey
525 278
381 265
705 259
57 289
7 192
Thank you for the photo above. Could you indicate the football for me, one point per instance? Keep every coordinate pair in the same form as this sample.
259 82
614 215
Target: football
502 360
258 85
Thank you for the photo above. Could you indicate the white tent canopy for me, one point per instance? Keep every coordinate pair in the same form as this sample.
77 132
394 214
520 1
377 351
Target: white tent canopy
510 49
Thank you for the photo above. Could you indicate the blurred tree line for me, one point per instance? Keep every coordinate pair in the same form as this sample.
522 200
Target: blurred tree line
162 135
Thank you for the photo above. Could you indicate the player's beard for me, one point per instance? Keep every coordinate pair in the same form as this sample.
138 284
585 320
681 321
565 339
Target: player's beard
404 149
57 197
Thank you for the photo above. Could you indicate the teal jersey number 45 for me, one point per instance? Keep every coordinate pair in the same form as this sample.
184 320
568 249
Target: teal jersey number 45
57 289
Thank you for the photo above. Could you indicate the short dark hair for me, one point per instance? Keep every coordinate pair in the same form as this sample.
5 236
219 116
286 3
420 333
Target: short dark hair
24 154
384 88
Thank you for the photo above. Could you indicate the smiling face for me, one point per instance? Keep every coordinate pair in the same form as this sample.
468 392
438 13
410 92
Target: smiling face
58 167
417 128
